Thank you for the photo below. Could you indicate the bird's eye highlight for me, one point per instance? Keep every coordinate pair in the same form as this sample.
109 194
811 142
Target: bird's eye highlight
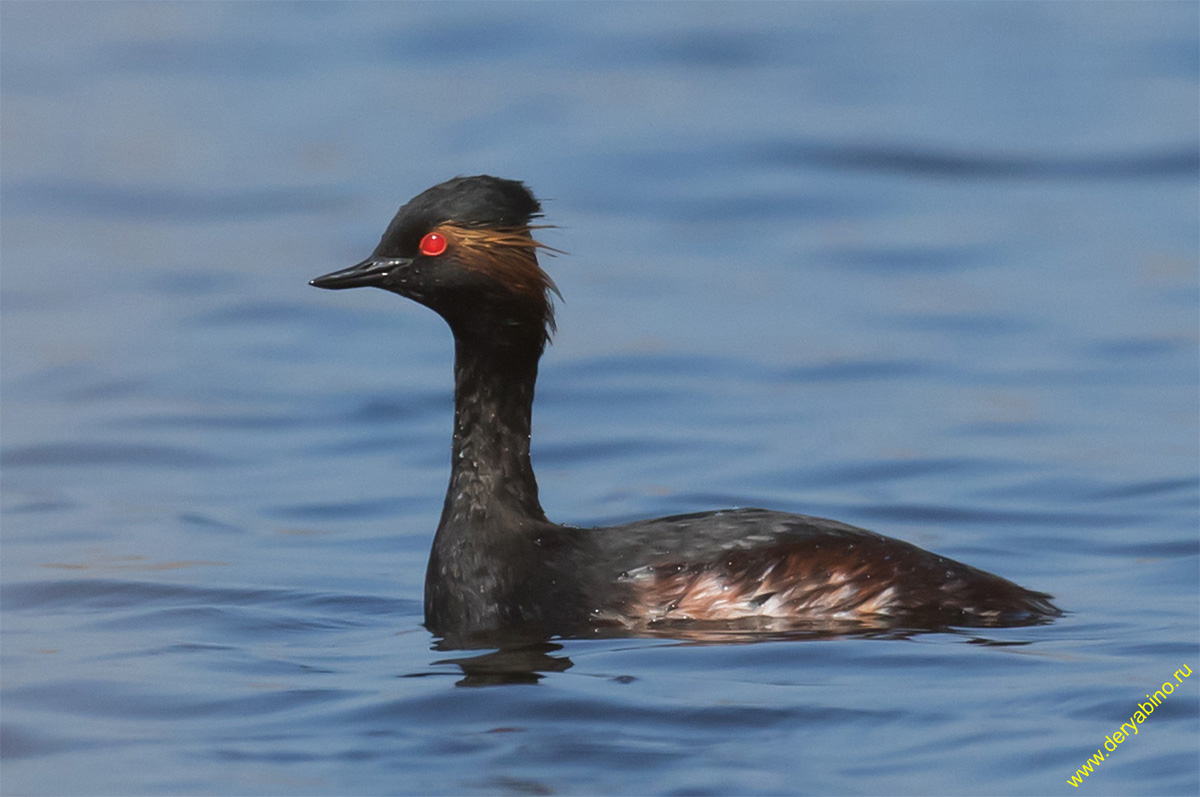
433 244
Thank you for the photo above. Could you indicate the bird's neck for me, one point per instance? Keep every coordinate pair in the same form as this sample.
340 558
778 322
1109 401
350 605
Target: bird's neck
492 485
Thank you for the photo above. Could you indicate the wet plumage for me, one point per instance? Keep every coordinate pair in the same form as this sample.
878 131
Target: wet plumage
465 248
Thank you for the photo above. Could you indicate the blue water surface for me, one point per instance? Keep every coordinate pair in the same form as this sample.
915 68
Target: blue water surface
928 268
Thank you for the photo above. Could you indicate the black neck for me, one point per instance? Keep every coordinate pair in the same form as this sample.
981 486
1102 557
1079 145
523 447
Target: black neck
491 477
481 572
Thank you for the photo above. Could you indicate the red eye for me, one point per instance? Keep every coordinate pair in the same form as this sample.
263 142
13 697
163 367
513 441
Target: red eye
433 244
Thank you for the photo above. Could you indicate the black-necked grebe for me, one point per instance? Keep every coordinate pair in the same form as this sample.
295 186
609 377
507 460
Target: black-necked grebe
465 249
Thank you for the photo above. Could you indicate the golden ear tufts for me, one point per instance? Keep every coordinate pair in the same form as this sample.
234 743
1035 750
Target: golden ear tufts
510 255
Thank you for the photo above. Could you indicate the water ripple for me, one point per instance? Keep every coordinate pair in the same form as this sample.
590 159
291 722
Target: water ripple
176 204
1177 162
102 594
116 699
123 454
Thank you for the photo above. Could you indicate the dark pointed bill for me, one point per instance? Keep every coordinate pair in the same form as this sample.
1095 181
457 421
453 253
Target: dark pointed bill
369 273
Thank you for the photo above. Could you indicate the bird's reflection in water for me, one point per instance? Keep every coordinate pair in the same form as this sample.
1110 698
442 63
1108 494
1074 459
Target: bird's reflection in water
517 659
519 663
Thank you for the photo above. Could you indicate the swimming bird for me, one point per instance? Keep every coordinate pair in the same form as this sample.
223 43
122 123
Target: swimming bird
466 249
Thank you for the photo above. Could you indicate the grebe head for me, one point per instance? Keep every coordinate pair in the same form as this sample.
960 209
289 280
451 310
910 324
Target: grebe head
465 249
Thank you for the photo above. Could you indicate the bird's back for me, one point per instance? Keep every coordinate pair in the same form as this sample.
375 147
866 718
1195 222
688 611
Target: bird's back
783 570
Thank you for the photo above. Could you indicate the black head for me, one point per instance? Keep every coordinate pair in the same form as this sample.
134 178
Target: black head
464 248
